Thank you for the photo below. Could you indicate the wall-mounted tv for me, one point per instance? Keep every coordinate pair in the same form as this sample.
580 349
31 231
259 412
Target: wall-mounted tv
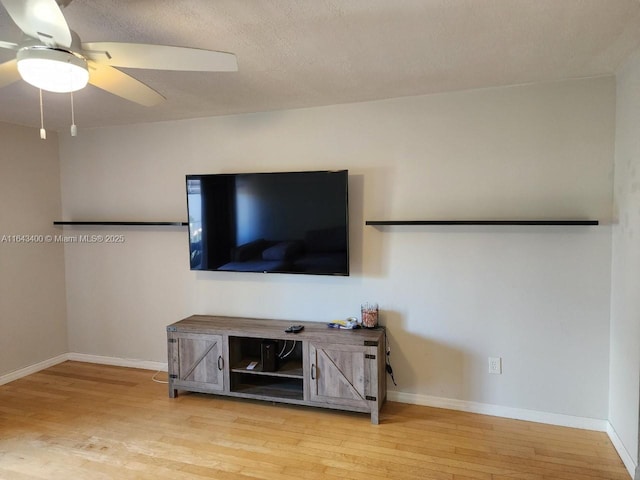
281 222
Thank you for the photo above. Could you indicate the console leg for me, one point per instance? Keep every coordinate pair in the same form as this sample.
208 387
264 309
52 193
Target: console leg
375 418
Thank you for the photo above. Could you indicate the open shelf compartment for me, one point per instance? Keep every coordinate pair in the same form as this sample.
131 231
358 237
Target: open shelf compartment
288 369
262 386
251 374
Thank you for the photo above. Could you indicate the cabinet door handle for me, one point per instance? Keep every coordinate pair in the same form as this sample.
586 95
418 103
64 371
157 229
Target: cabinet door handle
313 371
220 363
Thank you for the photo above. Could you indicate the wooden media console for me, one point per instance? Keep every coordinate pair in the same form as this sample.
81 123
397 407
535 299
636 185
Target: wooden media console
319 366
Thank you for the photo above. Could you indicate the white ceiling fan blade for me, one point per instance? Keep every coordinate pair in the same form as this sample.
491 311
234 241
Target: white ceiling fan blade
8 45
40 19
9 72
160 57
119 83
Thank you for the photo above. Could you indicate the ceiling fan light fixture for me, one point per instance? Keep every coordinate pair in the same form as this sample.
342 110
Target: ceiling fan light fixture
53 70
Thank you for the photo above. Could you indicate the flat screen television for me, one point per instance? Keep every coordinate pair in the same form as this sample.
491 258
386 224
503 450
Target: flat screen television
284 222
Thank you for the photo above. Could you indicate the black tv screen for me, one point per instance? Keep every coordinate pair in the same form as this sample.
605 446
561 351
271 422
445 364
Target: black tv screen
285 222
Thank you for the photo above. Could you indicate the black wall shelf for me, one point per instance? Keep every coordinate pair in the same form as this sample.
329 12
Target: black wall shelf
126 224
482 222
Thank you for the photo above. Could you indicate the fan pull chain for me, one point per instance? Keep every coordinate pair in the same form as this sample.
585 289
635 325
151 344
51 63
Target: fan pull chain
43 132
74 129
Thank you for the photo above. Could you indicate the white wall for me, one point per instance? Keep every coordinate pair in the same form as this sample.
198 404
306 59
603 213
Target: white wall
32 294
625 302
450 296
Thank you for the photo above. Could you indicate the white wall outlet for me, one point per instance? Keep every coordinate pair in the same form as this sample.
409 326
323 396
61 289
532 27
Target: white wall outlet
495 365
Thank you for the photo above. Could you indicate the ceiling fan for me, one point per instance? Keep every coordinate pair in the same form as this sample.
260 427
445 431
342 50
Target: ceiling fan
52 57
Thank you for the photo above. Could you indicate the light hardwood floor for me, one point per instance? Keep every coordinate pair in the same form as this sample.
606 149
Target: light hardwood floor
83 421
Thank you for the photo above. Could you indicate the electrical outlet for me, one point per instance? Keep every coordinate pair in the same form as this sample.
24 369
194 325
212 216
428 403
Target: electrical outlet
495 365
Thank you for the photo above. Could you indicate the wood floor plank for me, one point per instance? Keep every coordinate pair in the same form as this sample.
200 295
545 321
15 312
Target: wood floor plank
85 421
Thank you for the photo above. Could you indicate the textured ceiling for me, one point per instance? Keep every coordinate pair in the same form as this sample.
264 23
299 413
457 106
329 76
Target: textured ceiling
301 53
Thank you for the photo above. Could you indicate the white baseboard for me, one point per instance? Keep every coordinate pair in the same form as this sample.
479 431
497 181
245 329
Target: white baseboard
415 399
626 457
23 372
522 414
118 362
500 411
427 400
82 357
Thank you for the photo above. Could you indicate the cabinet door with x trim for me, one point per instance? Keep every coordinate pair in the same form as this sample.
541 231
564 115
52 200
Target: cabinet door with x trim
343 375
197 362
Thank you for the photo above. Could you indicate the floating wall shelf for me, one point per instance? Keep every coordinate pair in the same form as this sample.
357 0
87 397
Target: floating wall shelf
482 222
127 224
